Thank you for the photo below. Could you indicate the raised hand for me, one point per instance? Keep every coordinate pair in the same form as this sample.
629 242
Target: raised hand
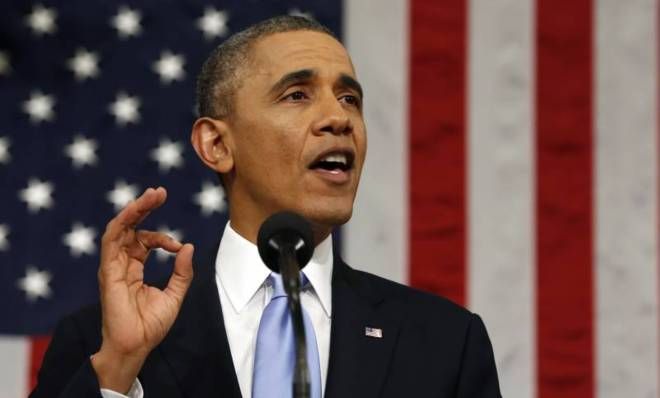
136 317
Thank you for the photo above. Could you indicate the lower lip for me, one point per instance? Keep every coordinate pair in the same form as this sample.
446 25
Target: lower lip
335 176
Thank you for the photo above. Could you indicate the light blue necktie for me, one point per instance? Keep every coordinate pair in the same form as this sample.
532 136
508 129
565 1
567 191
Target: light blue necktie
274 358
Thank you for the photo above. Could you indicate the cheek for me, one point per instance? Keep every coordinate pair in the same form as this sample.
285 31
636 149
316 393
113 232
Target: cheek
361 143
270 151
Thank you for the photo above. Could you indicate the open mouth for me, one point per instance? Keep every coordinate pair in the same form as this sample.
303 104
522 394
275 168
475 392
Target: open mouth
334 161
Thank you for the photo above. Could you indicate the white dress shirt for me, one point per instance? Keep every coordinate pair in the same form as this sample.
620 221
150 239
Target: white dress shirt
241 278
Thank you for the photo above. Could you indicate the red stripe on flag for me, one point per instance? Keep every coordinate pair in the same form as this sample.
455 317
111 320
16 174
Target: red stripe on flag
564 198
437 147
38 346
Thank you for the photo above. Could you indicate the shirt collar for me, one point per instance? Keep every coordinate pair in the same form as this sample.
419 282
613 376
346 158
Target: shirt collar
241 271
319 273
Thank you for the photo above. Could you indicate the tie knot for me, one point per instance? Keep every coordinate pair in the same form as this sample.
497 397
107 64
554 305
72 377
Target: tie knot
278 284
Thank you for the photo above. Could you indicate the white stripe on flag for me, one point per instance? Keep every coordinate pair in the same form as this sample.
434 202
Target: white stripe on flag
626 199
500 191
376 35
14 366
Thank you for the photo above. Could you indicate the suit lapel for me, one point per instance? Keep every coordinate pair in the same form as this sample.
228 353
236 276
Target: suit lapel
196 348
358 363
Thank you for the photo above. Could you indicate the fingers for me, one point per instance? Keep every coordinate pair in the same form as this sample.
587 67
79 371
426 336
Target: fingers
157 240
147 240
139 248
135 212
182 274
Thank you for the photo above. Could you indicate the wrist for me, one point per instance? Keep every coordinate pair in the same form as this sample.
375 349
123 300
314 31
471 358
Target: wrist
116 371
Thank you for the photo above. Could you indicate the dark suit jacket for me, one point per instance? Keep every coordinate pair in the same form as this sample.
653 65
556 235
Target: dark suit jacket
430 347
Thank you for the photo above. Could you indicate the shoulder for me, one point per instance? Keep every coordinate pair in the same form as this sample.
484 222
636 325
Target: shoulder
428 325
419 306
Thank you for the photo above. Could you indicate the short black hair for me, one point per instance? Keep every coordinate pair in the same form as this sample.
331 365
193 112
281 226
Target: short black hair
220 77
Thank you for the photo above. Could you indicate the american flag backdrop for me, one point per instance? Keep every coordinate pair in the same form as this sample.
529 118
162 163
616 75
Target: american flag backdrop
512 165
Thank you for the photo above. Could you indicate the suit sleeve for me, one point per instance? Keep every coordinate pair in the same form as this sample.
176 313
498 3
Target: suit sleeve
66 370
478 377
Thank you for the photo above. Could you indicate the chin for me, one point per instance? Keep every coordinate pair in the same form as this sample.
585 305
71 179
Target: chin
328 216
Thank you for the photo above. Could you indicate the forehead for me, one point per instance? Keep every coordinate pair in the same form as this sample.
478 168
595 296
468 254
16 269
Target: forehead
280 53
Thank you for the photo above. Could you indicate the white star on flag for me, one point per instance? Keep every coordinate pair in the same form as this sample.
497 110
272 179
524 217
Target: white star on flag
5 66
125 109
210 198
4 241
37 195
80 240
127 22
42 20
35 283
296 12
84 64
122 194
168 155
39 107
169 67
161 254
213 23
4 150
81 151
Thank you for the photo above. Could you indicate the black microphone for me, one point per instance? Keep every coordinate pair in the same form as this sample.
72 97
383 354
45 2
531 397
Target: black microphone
286 244
285 229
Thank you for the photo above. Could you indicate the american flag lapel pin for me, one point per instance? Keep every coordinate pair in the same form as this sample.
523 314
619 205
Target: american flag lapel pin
373 332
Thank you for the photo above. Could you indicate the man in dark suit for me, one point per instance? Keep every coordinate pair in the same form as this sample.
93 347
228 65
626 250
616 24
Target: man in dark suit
281 122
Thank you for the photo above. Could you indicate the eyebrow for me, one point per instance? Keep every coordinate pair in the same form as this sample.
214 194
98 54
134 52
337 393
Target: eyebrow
305 75
295 77
349 82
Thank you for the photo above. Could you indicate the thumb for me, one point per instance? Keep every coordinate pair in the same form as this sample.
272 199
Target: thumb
182 274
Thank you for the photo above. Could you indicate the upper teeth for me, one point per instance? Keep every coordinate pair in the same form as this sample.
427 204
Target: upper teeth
338 157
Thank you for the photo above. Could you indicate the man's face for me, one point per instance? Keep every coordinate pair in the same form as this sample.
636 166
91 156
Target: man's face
299 139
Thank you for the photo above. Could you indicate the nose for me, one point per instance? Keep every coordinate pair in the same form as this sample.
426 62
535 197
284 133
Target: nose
333 118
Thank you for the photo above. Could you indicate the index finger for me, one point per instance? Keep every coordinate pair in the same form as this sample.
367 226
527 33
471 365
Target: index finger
135 212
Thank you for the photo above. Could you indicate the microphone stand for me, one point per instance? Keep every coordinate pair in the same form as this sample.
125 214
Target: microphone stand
291 280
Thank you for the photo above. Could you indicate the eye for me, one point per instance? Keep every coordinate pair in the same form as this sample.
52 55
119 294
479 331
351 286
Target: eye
351 100
296 96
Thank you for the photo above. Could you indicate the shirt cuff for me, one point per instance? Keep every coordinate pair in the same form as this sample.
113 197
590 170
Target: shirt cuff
134 392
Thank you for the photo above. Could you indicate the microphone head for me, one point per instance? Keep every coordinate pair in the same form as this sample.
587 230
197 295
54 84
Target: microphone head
285 227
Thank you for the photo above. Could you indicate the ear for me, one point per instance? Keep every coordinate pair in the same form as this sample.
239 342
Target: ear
211 139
